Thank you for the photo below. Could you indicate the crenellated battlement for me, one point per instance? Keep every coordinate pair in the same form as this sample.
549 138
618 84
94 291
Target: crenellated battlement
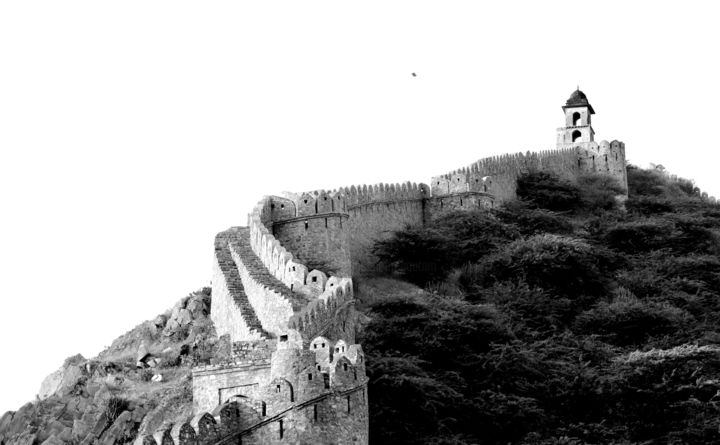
383 193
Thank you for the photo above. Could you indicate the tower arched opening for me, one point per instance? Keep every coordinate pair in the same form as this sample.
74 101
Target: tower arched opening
576 119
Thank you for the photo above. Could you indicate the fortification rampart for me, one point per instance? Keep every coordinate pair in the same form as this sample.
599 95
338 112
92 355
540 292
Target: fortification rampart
285 394
376 211
313 220
260 288
287 276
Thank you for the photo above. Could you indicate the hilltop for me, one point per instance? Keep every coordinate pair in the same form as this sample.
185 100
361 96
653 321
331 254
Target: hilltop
567 316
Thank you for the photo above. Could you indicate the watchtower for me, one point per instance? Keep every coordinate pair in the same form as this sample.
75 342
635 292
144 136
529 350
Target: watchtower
578 131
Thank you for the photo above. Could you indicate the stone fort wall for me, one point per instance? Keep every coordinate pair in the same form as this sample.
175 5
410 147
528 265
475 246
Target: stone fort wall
295 277
283 292
277 392
375 212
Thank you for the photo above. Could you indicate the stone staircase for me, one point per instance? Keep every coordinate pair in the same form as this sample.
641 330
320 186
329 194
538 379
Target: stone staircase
240 244
234 282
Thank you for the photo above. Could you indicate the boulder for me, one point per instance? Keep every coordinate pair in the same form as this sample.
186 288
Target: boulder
198 307
64 378
6 419
53 440
17 423
142 355
52 429
26 438
160 322
184 317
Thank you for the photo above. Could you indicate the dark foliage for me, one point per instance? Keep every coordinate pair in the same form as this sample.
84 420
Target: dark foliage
425 254
571 321
531 221
678 234
546 191
599 192
565 267
114 407
628 321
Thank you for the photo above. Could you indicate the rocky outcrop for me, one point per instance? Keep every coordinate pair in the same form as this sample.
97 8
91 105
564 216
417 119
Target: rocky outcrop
73 403
64 378
185 312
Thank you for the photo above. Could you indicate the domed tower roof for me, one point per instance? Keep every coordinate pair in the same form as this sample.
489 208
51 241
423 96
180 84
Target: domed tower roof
578 99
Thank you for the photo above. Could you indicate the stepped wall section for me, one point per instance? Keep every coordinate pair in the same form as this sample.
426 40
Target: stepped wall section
231 312
271 300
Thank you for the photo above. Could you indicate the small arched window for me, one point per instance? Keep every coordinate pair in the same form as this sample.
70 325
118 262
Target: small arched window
576 119
576 135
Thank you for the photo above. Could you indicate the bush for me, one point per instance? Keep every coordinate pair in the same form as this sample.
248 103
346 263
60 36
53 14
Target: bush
639 236
649 205
678 234
665 396
533 311
547 191
114 407
599 192
422 356
655 182
530 221
626 320
426 254
563 266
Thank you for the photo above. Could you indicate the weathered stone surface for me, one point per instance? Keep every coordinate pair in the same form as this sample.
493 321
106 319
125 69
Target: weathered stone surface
184 317
19 420
64 378
160 322
26 438
123 430
142 353
52 428
53 440
6 419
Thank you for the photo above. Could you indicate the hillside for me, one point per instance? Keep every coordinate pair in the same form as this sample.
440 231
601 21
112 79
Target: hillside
568 316
112 398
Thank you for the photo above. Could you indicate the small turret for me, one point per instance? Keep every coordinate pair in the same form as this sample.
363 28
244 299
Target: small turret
578 130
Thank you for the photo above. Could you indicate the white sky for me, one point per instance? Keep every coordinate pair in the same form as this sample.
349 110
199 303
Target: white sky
131 132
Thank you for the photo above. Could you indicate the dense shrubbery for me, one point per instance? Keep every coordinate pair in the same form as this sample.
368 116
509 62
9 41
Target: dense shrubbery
566 267
557 319
546 191
425 254
626 320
